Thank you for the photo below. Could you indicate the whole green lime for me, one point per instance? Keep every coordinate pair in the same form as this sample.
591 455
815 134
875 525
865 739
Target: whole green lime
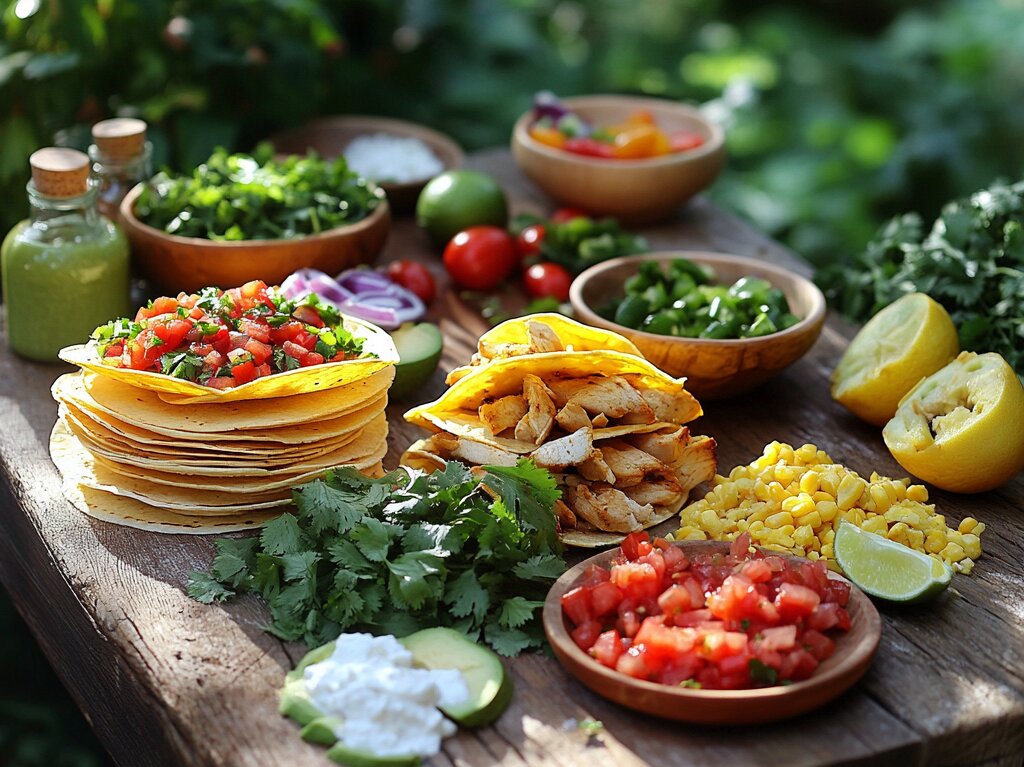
458 199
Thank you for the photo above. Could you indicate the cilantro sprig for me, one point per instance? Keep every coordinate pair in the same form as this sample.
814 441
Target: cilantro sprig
971 261
474 550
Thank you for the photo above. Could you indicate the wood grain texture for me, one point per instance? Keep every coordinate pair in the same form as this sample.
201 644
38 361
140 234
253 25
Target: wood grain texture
167 681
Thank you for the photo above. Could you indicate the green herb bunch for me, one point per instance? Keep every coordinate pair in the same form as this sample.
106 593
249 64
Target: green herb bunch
476 551
242 197
971 261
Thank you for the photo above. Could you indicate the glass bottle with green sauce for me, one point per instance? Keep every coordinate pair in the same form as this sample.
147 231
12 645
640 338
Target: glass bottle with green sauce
65 268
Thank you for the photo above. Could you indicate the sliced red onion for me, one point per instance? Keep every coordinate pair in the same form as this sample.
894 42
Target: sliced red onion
546 104
360 292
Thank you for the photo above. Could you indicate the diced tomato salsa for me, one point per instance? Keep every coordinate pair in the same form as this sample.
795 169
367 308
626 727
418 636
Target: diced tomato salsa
226 338
716 621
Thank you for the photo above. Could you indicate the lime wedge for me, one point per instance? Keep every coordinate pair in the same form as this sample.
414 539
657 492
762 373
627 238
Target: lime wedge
889 570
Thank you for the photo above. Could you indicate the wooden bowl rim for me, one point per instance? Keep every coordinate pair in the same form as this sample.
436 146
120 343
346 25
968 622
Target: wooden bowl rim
403 128
814 316
557 634
127 209
714 144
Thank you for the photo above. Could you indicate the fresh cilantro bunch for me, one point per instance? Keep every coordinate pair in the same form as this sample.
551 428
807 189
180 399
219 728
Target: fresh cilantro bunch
243 197
476 551
971 262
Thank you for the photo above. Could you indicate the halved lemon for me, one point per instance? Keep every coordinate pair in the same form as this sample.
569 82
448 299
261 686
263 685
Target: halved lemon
889 570
906 341
962 428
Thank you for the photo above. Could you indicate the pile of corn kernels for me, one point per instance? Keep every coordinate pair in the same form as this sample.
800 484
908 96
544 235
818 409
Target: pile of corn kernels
794 499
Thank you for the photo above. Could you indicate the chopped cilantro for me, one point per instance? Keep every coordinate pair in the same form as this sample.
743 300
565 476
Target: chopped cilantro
401 553
763 674
186 364
692 683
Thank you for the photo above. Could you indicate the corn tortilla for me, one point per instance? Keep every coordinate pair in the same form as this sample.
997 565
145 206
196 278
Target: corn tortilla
301 380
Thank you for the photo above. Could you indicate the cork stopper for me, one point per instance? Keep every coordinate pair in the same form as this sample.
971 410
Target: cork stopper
121 138
59 172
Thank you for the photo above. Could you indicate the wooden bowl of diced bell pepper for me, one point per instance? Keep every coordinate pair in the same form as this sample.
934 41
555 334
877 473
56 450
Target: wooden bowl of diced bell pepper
626 181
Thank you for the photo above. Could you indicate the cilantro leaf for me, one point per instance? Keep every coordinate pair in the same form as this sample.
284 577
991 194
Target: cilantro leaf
467 597
507 642
517 611
373 538
207 588
529 492
282 535
540 567
327 507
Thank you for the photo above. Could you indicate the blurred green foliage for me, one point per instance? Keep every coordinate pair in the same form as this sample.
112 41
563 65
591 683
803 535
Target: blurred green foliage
838 118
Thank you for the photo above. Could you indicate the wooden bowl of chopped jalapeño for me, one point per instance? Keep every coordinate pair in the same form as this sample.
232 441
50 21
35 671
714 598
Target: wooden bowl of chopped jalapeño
238 218
726 323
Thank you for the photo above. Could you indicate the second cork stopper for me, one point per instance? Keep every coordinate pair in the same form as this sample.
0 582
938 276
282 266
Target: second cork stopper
60 172
120 138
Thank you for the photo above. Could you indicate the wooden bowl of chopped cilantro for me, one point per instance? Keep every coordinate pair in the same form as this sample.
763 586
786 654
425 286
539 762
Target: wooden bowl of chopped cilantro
251 217
725 323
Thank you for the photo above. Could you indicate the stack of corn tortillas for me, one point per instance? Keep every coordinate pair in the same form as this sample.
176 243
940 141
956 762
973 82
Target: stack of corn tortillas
163 454
583 403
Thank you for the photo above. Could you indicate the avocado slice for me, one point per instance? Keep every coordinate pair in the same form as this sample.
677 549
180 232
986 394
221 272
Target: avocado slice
419 350
490 688
352 758
294 702
321 730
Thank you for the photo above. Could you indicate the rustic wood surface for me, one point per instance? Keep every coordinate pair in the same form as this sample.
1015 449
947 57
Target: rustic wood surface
167 681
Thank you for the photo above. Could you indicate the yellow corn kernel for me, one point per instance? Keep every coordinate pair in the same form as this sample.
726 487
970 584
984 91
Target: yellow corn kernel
778 520
742 525
771 450
822 457
709 521
760 513
979 528
953 552
806 454
827 551
812 520
829 482
827 510
916 539
934 542
876 525
756 525
744 486
737 472
972 545
813 556
777 492
784 475
804 535
891 491
827 537
964 566
851 488
785 454
880 497
899 533
798 505
734 515
761 490
719 480
810 482
967 525
917 493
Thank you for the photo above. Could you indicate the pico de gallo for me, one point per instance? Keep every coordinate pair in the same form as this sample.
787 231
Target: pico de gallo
714 621
226 338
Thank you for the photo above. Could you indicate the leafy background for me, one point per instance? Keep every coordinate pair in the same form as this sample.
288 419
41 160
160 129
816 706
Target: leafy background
839 115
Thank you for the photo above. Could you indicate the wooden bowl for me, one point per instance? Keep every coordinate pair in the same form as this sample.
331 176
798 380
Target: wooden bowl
329 136
852 657
714 368
634 191
190 263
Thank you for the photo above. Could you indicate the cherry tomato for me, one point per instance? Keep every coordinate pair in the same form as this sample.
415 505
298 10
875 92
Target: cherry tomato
413 276
529 240
589 148
481 257
562 215
680 141
547 279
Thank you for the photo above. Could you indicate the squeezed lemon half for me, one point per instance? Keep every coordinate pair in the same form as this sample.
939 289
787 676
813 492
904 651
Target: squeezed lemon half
962 428
906 341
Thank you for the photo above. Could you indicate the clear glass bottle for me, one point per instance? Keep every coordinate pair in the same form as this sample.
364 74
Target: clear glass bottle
65 268
121 158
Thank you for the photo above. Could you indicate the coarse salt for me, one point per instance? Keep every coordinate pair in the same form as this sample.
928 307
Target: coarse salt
382 157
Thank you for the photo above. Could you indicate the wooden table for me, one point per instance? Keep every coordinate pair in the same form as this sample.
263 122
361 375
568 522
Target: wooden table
167 681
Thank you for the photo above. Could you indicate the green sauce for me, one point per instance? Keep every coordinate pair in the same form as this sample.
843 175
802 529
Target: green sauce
61 281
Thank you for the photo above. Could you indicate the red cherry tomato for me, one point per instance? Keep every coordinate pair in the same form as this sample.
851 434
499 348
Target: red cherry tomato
413 276
562 215
547 279
481 257
529 240
588 147
682 140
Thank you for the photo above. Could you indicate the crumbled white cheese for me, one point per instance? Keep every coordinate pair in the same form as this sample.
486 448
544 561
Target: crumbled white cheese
386 706
384 158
